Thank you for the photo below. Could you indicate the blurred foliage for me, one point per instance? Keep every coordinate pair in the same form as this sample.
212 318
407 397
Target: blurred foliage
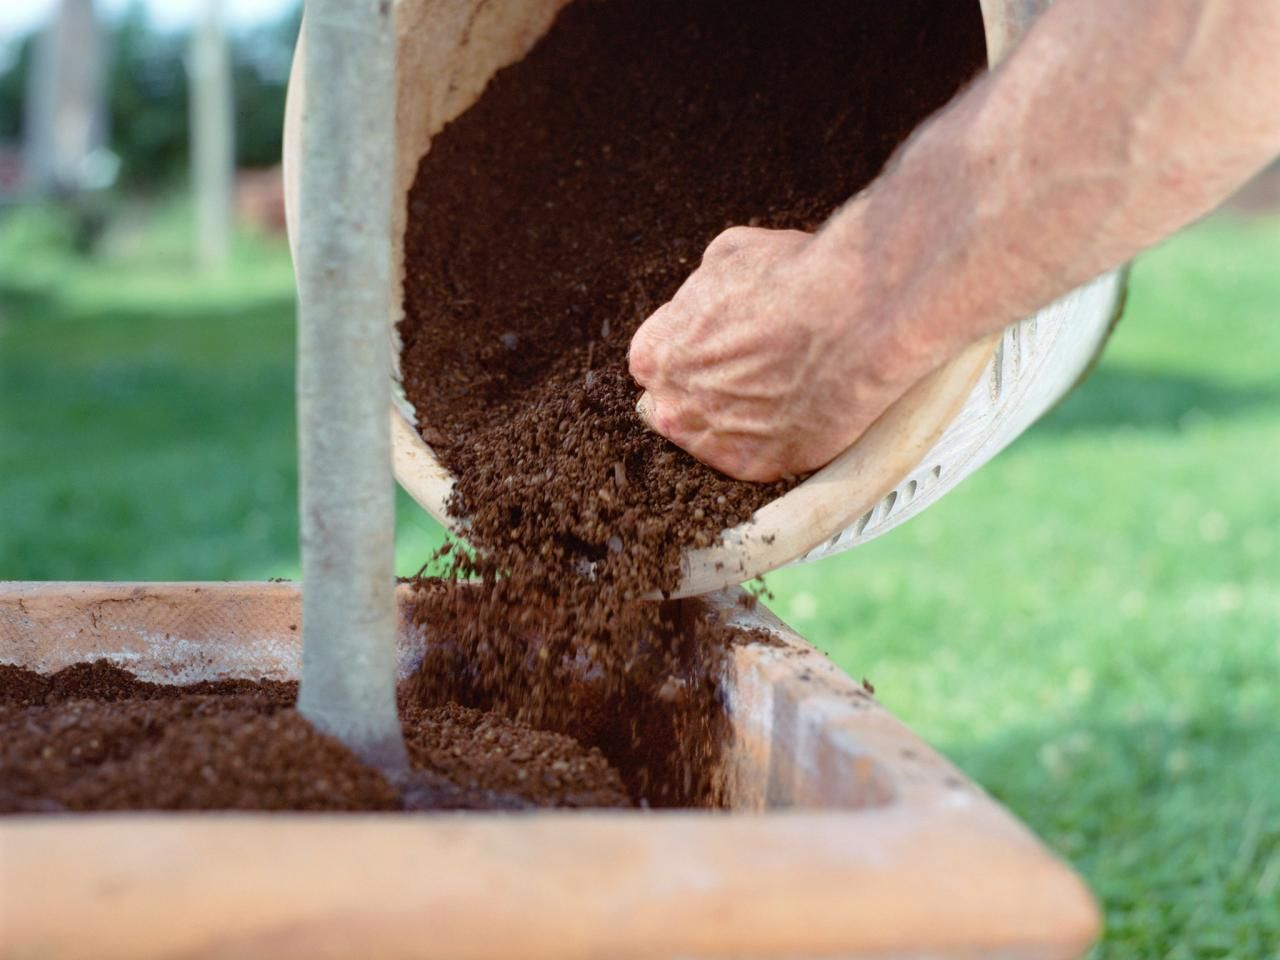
33 231
147 94
13 88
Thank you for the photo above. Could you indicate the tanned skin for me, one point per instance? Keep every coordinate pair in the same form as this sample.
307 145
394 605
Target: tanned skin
1113 124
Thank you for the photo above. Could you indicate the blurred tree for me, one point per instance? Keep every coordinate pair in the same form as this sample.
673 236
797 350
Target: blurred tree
147 94
212 136
147 85
64 111
260 70
15 67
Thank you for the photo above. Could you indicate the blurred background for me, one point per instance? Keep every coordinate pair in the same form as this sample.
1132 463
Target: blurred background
1090 626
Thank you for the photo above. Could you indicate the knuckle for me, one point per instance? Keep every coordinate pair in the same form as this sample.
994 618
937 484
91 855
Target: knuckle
727 463
727 242
762 472
738 234
751 463
721 454
640 357
641 366
744 468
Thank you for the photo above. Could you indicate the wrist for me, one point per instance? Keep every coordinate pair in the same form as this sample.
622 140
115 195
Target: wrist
870 267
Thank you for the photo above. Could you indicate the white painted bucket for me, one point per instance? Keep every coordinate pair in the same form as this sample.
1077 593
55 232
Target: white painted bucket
939 433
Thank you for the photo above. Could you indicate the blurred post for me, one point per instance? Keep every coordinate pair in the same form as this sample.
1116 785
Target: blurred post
65 109
344 379
212 137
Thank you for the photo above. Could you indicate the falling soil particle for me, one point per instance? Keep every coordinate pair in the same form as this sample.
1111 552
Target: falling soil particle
657 715
545 224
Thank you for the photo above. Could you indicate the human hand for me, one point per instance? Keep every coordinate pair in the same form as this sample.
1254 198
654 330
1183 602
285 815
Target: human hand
771 359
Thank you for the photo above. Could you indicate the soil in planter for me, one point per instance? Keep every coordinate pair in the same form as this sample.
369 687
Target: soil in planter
657 716
544 225
93 737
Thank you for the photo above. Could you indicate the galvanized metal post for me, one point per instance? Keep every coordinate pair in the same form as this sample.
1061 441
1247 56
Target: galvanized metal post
344 379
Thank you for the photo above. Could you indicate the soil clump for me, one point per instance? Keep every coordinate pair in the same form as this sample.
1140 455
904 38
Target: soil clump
545 224
94 737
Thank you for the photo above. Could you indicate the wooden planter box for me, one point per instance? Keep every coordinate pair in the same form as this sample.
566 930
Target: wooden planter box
848 837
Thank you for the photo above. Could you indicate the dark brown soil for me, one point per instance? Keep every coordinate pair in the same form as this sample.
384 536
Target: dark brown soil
551 218
93 737
656 714
545 224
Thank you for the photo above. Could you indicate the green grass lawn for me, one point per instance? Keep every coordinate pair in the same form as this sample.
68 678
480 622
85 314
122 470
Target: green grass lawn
1090 626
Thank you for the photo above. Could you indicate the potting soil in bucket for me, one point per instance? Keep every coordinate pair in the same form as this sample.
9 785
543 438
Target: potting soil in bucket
544 225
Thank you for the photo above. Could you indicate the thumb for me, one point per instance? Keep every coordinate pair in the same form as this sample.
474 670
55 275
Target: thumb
643 353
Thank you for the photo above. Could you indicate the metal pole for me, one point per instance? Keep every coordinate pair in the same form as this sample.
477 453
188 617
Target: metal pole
344 379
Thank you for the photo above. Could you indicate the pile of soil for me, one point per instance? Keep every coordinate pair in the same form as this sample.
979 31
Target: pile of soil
94 737
656 714
544 225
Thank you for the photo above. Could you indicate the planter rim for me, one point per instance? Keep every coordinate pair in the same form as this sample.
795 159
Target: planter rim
854 837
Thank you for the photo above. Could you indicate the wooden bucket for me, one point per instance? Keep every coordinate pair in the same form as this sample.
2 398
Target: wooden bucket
848 837
940 432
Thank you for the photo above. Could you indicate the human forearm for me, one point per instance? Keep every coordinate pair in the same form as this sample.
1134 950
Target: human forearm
1112 125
